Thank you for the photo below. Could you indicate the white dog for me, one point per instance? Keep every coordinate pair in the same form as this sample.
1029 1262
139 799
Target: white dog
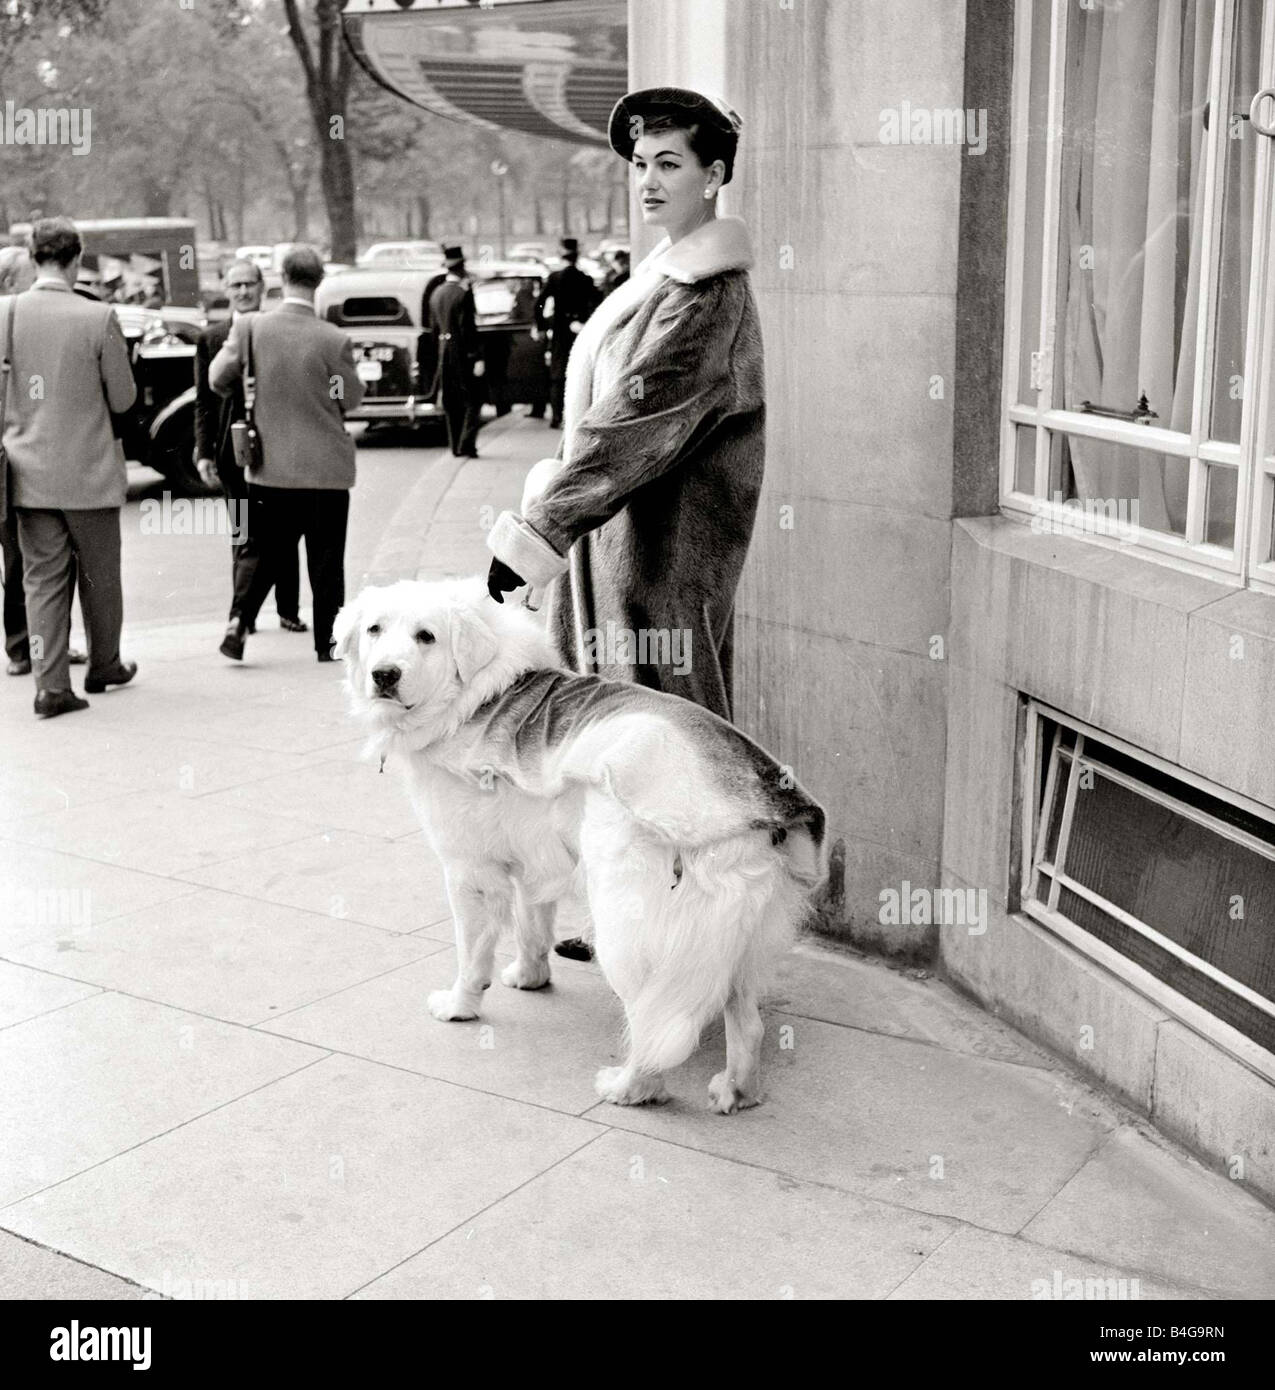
696 849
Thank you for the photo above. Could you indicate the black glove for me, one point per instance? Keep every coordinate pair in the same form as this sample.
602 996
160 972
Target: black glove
502 580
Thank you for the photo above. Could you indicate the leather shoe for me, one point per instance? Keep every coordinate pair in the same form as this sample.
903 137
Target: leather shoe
232 642
50 703
324 656
76 657
574 948
119 674
20 666
293 625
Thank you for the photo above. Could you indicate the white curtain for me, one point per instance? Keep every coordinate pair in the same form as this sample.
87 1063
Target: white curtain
1132 193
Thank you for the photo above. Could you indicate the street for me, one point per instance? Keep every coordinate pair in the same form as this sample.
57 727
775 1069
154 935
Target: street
183 577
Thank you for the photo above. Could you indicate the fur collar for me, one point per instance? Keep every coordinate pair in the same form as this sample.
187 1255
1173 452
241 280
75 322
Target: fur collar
719 245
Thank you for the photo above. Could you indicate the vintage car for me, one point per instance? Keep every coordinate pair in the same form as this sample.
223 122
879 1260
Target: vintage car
159 431
383 312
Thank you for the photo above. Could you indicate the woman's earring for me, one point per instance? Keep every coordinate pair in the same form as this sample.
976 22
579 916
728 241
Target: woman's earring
708 192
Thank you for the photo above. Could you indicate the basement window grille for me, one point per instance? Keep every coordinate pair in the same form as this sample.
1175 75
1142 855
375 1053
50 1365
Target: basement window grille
1172 874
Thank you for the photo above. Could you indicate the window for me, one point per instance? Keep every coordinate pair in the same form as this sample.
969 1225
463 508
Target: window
1140 324
1145 866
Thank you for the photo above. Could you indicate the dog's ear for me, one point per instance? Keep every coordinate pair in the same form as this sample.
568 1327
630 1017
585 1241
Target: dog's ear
345 628
473 642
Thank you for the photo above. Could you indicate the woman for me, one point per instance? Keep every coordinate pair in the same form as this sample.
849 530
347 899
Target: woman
643 521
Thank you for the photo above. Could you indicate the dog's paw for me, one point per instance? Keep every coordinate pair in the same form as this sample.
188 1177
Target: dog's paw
525 974
726 1097
620 1087
442 1004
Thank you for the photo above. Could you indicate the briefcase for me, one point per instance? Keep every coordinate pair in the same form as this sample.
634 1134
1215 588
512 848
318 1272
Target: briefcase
245 437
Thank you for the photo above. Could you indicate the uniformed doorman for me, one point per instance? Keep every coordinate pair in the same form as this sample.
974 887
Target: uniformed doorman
574 299
460 363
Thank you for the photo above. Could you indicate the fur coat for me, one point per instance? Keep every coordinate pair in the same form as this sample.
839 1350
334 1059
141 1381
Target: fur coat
642 524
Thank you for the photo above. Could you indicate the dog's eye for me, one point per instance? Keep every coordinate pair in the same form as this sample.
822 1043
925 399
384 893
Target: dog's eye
425 636
374 629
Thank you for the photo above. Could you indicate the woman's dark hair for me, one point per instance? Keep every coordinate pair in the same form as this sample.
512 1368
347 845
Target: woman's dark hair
706 142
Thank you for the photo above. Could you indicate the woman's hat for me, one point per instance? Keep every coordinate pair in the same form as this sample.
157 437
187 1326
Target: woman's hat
635 108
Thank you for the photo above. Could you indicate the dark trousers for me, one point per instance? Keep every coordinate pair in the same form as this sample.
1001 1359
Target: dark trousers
17 646
287 588
557 395
278 517
54 544
462 409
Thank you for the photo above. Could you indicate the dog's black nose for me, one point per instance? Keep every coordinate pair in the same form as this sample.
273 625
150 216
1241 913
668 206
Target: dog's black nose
386 677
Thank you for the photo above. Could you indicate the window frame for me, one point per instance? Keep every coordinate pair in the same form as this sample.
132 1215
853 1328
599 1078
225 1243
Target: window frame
1035 760
1255 486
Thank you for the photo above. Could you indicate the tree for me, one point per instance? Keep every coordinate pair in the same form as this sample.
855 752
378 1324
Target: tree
326 65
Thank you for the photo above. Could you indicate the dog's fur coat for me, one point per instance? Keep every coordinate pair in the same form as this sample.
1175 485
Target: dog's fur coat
695 848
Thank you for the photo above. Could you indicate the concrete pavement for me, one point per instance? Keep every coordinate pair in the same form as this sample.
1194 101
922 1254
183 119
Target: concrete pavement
217 930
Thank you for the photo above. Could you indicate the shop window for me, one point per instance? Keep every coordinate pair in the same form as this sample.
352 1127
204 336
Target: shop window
1141 283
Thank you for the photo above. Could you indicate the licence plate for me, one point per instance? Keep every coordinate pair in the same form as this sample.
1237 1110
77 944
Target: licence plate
368 371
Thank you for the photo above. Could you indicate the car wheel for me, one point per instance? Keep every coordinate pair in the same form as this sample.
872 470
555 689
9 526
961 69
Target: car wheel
178 468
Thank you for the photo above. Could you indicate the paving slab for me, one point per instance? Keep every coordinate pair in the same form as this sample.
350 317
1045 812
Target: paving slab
631 1217
347 794
26 993
986 1141
815 982
83 1083
1143 1205
227 956
148 754
540 1046
973 1264
46 895
157 834
308 1188
395 884
29 1271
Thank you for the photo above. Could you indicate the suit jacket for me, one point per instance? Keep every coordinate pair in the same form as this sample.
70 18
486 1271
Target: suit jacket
70 371
451 318
574 299
214 414
306 380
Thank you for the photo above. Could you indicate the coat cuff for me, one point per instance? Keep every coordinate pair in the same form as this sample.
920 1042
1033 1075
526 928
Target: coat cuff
524 550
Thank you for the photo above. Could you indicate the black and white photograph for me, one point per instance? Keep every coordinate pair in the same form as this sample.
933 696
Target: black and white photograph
638 642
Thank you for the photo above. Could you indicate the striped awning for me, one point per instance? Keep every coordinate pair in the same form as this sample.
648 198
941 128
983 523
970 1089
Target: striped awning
544 67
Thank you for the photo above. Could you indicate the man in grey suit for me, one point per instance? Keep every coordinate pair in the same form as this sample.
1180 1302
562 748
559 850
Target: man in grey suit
70 371
305 382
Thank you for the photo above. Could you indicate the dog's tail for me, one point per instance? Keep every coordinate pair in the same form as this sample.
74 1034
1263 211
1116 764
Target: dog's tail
729 910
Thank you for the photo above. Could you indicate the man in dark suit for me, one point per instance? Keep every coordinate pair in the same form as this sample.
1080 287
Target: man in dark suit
306 382
66 470
452 321
215 455
574 299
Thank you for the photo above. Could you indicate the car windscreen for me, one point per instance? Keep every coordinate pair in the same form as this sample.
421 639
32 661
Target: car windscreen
509 297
